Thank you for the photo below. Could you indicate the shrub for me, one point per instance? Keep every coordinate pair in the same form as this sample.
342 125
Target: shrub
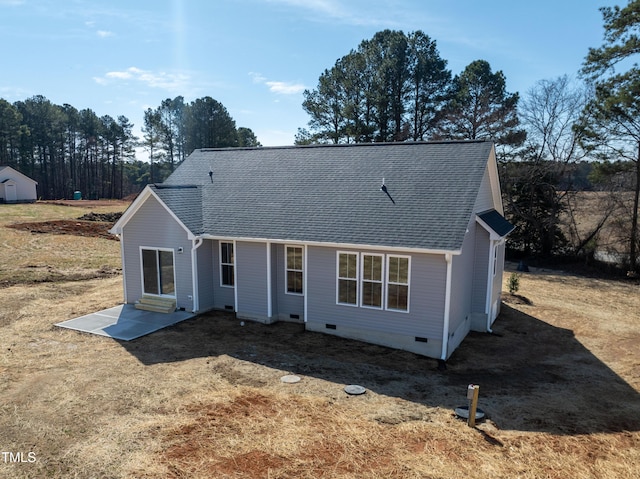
514 283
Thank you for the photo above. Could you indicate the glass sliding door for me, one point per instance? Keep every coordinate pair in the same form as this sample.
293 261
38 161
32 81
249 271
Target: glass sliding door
165 259
158 272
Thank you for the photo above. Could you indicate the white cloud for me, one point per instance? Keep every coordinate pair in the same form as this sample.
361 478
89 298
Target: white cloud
162 80
257 77
104 33
279 87
285 88
330 8
379 13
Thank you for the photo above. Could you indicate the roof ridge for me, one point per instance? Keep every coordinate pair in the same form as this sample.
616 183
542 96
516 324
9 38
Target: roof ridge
345 145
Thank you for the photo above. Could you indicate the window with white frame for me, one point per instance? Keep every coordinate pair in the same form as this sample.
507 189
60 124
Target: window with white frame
347 278
398 282
373 280
226 264
294 269
371 284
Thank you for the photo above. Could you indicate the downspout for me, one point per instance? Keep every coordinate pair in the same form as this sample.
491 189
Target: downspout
197 242
305 290
124 273
447 307
487 306
235 277
269 287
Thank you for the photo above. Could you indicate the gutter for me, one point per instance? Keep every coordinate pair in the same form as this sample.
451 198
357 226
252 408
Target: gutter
447 307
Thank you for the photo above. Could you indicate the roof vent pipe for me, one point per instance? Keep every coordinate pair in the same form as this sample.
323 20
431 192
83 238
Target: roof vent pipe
384 189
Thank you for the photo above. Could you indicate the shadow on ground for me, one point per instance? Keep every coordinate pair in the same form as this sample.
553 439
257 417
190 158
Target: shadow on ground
532 376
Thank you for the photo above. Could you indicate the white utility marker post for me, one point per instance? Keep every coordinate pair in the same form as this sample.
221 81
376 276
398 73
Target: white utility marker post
473 390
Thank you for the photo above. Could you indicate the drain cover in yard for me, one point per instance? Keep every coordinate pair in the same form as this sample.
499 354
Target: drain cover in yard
290 379
354 389
463 412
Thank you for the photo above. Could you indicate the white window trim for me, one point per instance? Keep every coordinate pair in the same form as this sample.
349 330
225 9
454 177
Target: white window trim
381 282
286 270
408 283
356 279
175 285
233 245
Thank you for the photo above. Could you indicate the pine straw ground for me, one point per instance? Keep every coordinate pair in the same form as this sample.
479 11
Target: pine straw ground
559 379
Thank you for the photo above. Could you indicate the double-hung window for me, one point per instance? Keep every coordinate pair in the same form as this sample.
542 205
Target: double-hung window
347 278
398 283
294 269
371 285
226 264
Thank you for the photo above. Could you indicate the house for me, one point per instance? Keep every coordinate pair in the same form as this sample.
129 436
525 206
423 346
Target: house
16 187
397 244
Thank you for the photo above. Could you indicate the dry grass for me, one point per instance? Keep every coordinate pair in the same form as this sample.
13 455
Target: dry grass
27 257
586 209
560 381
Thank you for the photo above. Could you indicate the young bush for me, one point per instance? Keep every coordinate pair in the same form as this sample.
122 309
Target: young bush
514 283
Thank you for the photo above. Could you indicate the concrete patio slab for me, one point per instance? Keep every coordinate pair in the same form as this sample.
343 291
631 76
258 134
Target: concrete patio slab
124 322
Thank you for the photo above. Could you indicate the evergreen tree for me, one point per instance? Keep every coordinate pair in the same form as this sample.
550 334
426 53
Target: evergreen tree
389 89
612 120
481 109
208 125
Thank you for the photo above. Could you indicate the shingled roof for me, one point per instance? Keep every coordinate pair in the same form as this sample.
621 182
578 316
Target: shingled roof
332 194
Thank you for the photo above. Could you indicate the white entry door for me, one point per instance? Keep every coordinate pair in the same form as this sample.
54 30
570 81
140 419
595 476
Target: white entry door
10 192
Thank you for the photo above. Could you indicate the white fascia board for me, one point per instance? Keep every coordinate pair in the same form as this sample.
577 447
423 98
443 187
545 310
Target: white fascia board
135 206
336 245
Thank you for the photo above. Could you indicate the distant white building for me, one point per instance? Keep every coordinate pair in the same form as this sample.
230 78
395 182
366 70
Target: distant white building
16 187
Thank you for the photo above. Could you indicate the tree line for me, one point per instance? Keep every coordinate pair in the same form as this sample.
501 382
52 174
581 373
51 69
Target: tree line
66 150
175 128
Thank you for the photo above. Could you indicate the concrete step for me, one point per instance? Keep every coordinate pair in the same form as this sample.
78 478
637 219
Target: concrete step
156 304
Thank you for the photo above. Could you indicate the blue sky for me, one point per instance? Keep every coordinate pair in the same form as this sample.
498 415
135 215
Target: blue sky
257 56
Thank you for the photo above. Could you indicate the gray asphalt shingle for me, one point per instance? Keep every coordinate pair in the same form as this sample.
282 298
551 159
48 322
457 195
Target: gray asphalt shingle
332 194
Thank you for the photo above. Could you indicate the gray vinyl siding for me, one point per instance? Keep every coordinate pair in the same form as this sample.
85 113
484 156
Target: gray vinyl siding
251 280
287 304
426 301
206 280
154 227
480 270
462 281
223 296
484 200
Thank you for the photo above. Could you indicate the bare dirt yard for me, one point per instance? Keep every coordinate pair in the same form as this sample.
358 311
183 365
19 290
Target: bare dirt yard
559 380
